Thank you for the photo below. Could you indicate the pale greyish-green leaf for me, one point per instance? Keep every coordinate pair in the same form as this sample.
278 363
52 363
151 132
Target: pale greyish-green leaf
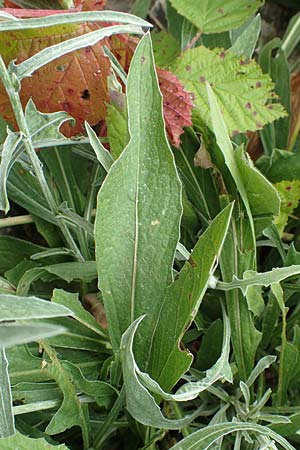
67 18
138 213
263 364
139 402
44 126
242 90
260 279
22 333
244 44
215 16
205 437
71 412
167 363
13 307
35 62
9 147
219 371
7 425
21 442
103 155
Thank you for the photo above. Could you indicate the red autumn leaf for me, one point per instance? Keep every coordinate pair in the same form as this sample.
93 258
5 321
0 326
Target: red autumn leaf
75 83
177 103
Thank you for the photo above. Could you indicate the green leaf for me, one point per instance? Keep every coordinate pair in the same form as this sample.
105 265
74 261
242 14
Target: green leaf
67 271
9 147
140 7
239 86
205 437
21 442
219 371
21 333
139 402
76 17
13 307
7 425
289 354
289 192
117 124
103 155
244 43
44 126
260 279
215 16
71 411
165 48
167 363
138 212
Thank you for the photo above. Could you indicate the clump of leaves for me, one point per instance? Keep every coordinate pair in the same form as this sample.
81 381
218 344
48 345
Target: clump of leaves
161 309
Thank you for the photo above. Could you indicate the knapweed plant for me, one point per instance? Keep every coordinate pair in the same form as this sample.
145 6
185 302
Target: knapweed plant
154 303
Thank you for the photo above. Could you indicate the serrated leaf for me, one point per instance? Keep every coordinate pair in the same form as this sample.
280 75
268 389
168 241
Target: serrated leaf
21 442
215 16
177 105
289 192
145 214
13 307
240 87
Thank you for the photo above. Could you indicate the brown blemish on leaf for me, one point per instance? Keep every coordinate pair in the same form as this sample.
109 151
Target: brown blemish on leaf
202 79
188 68
248 105
288 188
289 204
270 106
258 84
192 262
220 10
143 59
259 125
242 62
222 55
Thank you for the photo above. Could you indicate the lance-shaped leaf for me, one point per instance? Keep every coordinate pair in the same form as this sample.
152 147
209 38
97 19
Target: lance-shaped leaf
7 426
239 86
9 148
138 213
167 363
252 278
215 16
205 437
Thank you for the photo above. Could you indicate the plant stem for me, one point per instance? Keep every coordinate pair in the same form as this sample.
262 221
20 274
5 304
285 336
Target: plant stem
14 97
112 416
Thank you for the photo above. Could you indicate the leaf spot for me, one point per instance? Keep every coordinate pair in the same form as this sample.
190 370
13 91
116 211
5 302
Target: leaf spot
202 79
143 59
258 84
248 105
220 10
155 222
192 262
85 94
188 68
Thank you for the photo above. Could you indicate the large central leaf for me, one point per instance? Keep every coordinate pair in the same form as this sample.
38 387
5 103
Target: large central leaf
138 213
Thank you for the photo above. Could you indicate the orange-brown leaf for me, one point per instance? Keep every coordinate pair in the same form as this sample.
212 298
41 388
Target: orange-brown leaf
75 83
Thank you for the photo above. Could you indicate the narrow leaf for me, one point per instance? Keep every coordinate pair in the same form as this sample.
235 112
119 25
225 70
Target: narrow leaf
21 333
13 307
19 441
7 426
9 147
103 155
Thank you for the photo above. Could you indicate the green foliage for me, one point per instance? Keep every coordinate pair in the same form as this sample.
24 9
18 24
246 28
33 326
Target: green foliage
158 290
